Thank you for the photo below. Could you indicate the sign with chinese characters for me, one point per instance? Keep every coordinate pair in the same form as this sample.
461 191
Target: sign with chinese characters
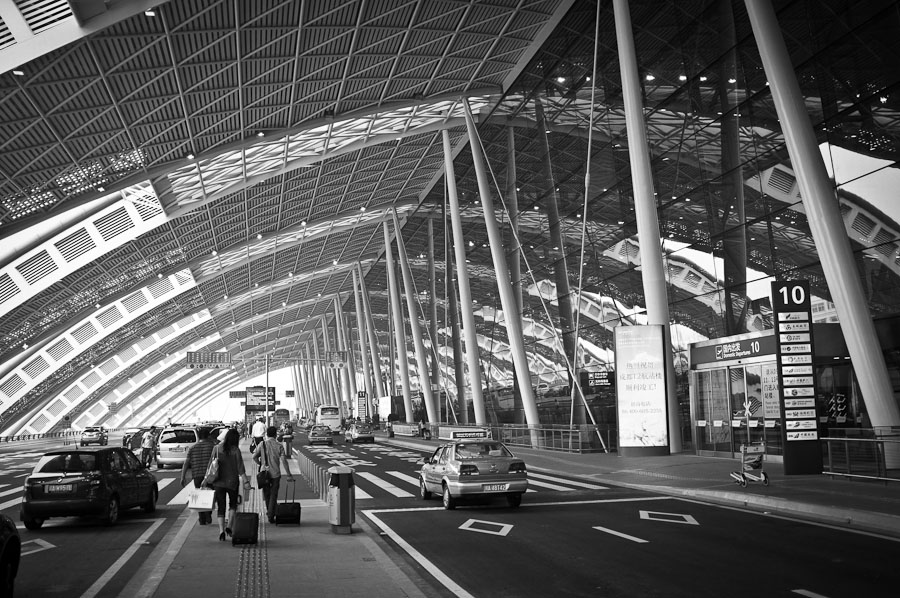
207 359
336 359
641 390
792 316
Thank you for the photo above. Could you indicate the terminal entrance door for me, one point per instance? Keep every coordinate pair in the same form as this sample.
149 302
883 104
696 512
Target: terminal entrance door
712 412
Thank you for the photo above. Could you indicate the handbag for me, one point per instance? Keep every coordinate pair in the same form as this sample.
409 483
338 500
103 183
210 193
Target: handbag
263 479
201 499
212 470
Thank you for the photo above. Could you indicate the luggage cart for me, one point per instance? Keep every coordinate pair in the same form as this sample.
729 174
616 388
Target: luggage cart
751 465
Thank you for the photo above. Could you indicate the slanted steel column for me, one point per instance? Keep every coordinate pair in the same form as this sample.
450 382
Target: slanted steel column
334 380
825 220
343 336
507 299
412 308
399 326
515 259
433 313
363 343
374 350
653 273
456 339
473 356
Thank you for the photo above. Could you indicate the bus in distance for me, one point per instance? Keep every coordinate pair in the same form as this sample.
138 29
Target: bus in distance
329 415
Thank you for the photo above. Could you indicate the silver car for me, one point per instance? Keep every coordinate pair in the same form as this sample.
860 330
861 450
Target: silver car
469 468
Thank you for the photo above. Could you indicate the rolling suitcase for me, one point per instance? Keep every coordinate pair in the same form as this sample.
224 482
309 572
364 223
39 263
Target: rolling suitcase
245 528
288 512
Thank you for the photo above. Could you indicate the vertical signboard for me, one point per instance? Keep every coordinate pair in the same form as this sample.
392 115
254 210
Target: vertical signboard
362 409
792 316
641 390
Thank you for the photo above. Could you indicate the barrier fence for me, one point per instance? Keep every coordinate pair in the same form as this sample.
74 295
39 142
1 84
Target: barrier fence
869 458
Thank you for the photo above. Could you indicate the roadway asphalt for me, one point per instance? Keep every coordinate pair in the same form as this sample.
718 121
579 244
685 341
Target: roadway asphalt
313 560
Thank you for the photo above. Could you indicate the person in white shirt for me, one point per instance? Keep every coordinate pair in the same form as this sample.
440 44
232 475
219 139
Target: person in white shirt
269 455
258 432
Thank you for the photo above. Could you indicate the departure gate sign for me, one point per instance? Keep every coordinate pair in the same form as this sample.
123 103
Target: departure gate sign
792 315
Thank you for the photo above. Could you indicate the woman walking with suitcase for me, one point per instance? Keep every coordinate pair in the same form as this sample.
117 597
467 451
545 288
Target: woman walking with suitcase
228 480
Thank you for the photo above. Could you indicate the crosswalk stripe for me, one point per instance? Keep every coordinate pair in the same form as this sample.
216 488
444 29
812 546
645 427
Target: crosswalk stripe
549 486
542 476
11 491
10 503
406 478
398 492
182 497
164 482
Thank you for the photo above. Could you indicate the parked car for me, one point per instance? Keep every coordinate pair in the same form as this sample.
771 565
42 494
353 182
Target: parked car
468 468
320 433
359 433
131 439
173 444
94 435
94 481
10 554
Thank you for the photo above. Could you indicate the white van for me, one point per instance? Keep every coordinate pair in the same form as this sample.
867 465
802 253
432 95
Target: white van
173 444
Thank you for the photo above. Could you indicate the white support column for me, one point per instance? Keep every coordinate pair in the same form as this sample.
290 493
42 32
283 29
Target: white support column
374 350
825 221
363 343
343 335
412 307
653 273
473 355
399 326
507 299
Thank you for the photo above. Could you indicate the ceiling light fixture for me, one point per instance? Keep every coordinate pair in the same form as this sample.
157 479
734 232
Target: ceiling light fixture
150 12
18 73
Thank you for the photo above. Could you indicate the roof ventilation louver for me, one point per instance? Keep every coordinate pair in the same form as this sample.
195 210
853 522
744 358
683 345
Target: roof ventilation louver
6 36
75 245
8 288
863 225
109 317
84 333
56 408
43 14
91 380
109 366
73 393
36 267
147 211
114 224
60 349
40 422
781 180
134 302
160 288
12 386
35 367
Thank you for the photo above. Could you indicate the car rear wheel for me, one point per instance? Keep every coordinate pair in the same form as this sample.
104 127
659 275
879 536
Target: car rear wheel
9 564
514 499
112 511
423 490
150 505
449 501
33 524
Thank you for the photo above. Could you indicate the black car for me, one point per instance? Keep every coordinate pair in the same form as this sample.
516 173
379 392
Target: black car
90 481
10 553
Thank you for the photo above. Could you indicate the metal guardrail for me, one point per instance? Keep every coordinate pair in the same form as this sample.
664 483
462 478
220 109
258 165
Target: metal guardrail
866 458
575 439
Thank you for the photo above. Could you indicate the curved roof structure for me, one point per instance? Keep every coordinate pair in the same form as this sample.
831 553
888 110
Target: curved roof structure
208 175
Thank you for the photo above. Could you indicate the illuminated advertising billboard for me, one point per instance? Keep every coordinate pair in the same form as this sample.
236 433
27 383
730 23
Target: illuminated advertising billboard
641 391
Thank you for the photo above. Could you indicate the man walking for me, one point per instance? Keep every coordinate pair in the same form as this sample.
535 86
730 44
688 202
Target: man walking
258 432
270 455
196 463
148 447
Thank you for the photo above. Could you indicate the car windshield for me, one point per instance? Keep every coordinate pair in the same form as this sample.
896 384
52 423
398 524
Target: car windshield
321 429
93 430
67 463
178 436
479 450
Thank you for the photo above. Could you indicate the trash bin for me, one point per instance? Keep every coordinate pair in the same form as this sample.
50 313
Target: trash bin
341 500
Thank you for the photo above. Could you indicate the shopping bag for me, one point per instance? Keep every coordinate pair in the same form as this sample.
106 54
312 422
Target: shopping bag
212 471
201 499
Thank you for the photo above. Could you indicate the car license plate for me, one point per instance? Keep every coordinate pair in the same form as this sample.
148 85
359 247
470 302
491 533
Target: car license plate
177 449
54 488
495 487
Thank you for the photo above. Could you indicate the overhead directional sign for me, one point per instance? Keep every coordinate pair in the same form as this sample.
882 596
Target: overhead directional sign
336 359
207 359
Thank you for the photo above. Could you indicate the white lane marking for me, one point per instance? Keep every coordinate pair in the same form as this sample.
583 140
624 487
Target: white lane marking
110 573
11 491
808 594
417 556
405 477
360 494
10 503
41 546
23 475
550 486
164 482
542 476
398 492
620 534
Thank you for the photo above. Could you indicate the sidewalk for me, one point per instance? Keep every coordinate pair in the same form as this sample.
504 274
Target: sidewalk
311 559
